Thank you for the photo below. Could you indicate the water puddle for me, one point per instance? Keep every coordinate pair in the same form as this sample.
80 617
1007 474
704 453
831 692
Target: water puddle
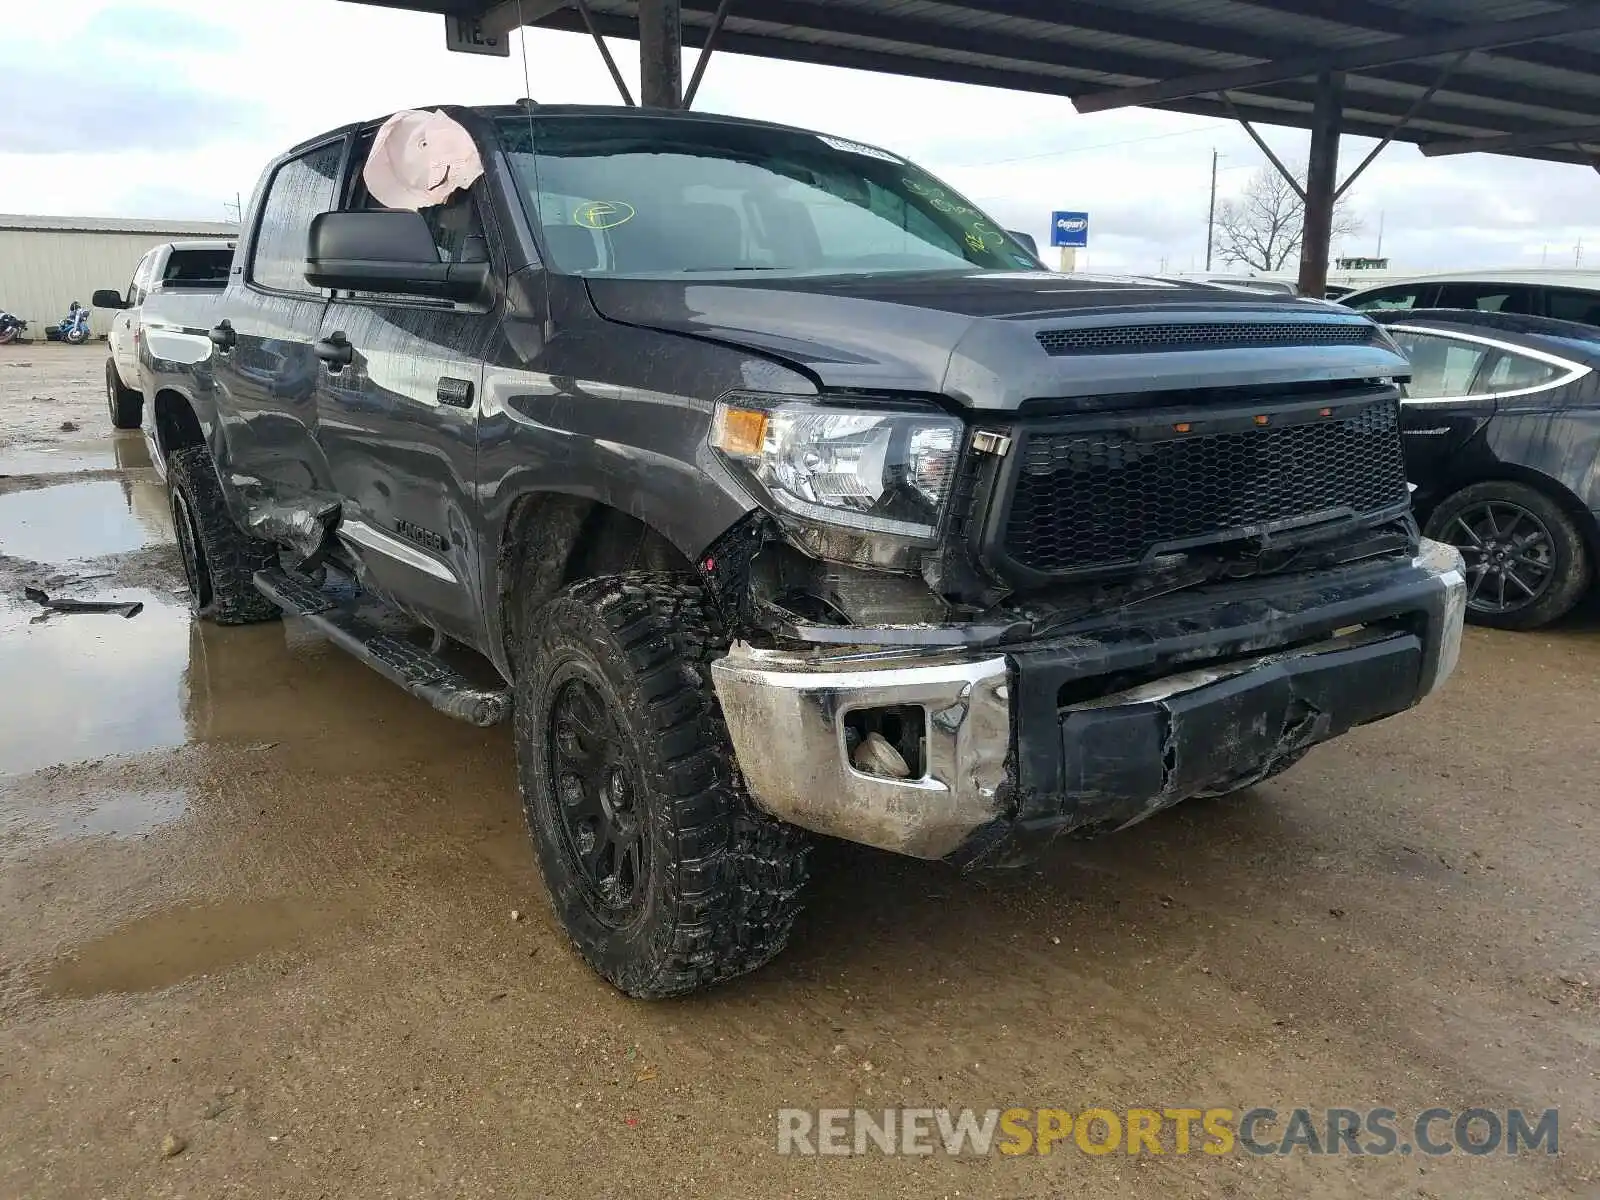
119 452
73 521
91 685
179 943
114 814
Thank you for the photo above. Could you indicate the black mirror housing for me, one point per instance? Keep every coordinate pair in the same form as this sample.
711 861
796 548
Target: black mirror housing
106 298
386 250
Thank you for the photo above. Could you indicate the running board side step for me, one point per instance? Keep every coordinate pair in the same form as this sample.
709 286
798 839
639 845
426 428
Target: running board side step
424 675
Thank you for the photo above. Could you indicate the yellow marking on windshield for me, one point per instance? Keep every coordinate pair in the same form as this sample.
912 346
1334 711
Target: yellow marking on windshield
602 214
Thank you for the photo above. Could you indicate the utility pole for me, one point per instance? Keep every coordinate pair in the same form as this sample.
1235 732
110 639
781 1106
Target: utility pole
1380 233
1211 212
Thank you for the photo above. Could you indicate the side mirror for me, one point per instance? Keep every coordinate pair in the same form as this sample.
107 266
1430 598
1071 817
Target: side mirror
386 250
1027 240
106 298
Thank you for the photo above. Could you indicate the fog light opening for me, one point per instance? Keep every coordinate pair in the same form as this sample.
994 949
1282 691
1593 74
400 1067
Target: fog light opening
889 743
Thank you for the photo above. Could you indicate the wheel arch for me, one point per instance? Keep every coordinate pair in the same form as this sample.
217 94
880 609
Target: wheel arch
176 422
550 539
1564 497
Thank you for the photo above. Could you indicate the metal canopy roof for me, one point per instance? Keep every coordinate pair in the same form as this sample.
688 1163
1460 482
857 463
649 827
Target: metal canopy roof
1516 77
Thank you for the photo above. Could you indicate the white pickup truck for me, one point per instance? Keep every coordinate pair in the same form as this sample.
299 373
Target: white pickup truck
171 266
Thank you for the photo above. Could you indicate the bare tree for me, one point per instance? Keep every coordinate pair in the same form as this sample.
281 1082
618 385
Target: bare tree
1261 227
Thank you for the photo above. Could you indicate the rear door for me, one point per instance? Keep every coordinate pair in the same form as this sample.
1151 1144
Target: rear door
1441 411
1460 381
397 426
266 367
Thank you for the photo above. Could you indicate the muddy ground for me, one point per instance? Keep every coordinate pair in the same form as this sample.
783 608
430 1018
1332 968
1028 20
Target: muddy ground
255 898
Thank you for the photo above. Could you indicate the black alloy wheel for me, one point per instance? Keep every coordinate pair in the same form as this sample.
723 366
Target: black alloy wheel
597 784
1527 562
1509 552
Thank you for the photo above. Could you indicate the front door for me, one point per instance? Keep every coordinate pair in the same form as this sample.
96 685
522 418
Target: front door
397 426
124 350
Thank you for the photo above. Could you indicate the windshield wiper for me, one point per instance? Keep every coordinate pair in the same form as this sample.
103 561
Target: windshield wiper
707 270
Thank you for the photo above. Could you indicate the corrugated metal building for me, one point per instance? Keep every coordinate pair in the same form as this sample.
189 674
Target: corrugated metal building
48 262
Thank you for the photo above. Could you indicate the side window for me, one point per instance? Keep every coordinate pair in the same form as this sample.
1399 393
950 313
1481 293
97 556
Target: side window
456 225
300 189
1563 305
141 279
1402 296
1486 297
1510 372
1440 366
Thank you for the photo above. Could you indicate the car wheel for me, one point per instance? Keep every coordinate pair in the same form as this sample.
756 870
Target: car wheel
1525 557
125 405
219 559
661 871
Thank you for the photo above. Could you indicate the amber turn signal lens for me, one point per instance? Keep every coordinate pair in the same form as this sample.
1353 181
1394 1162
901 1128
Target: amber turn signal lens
1182 427
1261 419
740 431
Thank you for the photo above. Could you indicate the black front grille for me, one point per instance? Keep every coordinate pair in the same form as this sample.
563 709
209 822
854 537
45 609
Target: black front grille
1086 500
1131 339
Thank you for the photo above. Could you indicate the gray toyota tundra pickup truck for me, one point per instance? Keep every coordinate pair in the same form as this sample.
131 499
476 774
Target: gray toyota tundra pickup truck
769 488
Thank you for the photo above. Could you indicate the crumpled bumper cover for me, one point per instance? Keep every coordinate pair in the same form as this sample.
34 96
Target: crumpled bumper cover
1235 688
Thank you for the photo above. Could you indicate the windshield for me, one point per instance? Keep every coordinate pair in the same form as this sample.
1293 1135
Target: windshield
638 195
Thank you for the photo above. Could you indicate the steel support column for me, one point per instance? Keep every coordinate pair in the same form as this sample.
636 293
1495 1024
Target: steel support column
661 53
1322 182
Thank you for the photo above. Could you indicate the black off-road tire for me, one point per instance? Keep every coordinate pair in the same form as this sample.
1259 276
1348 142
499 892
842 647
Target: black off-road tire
219 558
125 405
722 885
1569 557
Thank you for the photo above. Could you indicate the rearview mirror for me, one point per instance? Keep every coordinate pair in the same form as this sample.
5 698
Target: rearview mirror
106 298
386 250
1027 240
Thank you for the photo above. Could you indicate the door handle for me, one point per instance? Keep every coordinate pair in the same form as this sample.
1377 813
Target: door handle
223 337
336 351
457 393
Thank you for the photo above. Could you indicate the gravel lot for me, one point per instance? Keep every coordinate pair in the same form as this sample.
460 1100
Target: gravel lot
255 899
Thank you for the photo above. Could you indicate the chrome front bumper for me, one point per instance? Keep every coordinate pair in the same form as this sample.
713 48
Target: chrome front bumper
786 716
995 740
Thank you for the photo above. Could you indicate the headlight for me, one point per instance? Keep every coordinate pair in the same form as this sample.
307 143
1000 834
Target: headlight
879 471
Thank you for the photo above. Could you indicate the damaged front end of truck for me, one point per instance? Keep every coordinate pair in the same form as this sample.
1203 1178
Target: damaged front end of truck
1105 602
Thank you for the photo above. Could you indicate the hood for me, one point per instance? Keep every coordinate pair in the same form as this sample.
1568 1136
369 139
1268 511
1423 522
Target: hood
993 340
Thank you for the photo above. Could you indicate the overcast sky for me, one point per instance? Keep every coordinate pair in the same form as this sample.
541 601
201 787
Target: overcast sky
167 108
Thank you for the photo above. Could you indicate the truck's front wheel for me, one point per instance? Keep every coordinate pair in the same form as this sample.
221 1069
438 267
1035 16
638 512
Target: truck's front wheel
125 405
219 559
660 870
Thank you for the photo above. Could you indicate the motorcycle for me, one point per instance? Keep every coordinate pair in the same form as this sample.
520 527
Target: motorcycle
11 327
73 328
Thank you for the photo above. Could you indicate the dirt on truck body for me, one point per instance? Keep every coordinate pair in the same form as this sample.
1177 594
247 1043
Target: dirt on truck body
769 488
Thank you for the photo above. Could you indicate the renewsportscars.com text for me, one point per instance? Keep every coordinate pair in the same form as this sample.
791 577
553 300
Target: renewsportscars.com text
1133 1131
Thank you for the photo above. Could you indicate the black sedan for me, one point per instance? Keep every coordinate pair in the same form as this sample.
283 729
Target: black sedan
1502 439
